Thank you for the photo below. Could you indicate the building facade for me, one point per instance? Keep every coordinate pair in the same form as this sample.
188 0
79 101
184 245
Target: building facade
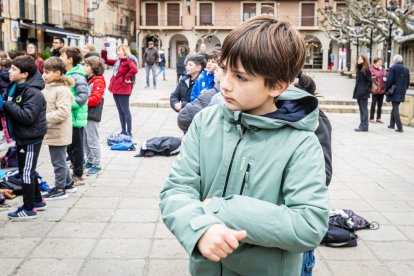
77 21
176 25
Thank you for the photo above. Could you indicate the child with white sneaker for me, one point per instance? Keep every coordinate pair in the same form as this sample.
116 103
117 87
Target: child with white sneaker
94 68
59 125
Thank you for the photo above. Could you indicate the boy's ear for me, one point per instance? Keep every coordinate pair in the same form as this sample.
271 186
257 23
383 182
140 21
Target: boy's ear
25 75
278 89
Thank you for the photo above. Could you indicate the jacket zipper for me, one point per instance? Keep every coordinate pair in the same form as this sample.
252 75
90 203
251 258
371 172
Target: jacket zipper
232 157
245 179
231 164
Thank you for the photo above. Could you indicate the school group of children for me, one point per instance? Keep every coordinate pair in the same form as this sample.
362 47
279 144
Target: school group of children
62 109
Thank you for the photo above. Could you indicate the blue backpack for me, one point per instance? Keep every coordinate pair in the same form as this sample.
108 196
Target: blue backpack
123 146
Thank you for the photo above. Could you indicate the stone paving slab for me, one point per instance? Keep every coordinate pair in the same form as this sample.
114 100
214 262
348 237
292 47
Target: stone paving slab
112 225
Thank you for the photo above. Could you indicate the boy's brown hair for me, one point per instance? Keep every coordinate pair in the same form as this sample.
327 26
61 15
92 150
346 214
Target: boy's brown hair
25 64
267 48
74 53
5 63
97 65
54 64
215 55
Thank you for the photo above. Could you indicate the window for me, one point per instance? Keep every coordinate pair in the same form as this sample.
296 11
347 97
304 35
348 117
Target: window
173 14
206 14
340 7
151 14
267 8
308 14
249 10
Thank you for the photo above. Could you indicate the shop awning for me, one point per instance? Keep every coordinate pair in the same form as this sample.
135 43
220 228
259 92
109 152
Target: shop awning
53 30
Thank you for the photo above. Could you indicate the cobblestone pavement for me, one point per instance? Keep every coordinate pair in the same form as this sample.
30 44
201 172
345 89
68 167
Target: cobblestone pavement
112 225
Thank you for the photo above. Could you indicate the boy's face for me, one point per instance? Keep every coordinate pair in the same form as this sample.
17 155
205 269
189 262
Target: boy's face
16 75
67 61
211 65
248 93
88 70
50 76
218 74
192 68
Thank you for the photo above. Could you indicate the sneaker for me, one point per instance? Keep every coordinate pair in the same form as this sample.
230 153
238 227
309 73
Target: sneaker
78 180
55 194
372 121
379 121
44 187
94 170
88 165
22 214
40 206
71 188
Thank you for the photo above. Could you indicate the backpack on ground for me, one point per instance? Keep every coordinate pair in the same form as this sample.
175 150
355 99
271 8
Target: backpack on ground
9 160
342 226
164 146
124 146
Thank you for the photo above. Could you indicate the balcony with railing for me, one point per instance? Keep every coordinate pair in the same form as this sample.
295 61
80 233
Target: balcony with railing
161 21
27 11
73 21
121 29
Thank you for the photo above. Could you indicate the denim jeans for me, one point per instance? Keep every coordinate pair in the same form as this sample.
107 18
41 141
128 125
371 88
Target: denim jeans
308 263
152 68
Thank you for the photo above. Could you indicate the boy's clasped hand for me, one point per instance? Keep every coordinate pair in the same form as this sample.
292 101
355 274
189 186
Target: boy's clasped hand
219 241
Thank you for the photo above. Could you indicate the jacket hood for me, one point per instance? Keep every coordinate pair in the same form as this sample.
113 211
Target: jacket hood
78 69
36 82
62 80
296 108
96 78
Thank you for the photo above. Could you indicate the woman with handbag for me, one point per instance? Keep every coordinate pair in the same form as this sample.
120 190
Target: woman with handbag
361 91
377 89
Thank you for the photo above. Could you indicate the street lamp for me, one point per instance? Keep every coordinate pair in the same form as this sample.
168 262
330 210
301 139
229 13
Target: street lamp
357 31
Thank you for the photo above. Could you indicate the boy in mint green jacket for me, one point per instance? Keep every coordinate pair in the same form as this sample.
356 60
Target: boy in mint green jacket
247 194
72 57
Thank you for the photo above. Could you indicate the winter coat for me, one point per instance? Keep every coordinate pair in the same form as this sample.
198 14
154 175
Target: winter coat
264 174
55 52
363 84
96 87
4 80
39 62
126 71
151 56
182 92
59 100
186 115
400 76
378 75
204 81
324 134
26 111
80 94
162 60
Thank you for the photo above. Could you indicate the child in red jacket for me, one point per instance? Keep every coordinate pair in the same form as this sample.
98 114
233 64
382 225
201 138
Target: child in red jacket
94 68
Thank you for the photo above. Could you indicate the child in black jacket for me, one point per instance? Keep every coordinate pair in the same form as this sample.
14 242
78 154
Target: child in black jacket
25 109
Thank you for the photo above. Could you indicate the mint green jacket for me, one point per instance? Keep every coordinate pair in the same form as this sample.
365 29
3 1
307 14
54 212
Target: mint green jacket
80 95
264 175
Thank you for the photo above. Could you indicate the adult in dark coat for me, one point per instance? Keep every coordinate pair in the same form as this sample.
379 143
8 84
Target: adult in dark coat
57 45
399 75
361 91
